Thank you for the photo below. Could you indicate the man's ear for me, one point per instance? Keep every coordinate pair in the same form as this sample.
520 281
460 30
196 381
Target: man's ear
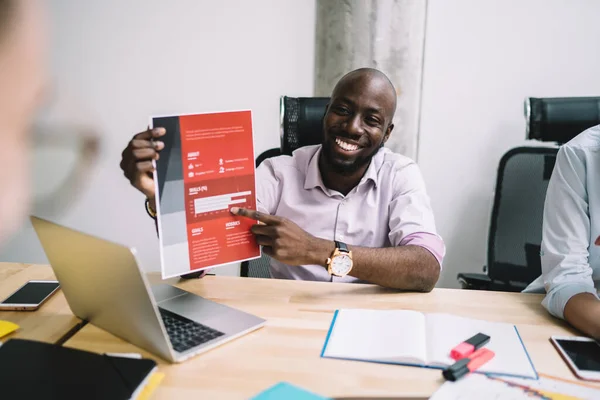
388 132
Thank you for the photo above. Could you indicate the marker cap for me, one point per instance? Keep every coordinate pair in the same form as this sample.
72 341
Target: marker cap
469 346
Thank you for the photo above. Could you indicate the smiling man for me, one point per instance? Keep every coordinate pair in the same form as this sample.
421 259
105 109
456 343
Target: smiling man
348 210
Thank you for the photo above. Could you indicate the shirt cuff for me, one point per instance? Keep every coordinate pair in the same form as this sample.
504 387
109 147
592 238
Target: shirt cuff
557 298
429 241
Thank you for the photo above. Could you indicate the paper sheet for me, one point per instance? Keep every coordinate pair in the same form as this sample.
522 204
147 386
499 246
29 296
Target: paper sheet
559 388
206 167
478 386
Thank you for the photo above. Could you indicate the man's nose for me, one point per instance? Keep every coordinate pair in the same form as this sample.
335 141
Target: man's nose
354 126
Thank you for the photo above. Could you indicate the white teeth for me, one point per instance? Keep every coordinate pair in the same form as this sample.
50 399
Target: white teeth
346 146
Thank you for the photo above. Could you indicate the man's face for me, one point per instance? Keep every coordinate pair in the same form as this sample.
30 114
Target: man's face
21 80
357 122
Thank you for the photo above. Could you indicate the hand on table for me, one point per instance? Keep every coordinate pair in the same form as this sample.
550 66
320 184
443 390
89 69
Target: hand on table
285 241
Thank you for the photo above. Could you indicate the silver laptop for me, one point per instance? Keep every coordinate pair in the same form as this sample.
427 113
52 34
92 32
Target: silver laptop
104 285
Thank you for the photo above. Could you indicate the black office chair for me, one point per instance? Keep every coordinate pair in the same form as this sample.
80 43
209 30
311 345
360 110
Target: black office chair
301 121
513 256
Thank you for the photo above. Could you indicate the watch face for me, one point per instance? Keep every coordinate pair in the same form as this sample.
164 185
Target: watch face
341 264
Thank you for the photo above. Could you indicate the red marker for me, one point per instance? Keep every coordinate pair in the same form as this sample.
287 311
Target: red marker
467 347
469 364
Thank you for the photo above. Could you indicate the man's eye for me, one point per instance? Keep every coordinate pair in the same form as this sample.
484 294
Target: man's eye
372 121
342 110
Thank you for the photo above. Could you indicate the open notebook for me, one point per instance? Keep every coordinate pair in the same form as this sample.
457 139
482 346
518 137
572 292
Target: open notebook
424 340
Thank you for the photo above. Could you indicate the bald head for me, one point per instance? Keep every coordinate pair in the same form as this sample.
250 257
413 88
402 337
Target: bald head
373 80
357 122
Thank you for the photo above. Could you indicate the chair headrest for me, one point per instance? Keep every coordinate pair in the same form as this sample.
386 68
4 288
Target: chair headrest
301 120
560 119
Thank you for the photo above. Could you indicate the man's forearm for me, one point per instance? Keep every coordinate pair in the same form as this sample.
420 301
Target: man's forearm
583 312
403 267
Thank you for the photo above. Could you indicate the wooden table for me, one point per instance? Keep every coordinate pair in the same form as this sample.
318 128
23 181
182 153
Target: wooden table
299 313
51 321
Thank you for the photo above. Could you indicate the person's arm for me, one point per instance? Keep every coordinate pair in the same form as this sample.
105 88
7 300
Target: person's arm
583 312
414 259
412 262
570 291
406 267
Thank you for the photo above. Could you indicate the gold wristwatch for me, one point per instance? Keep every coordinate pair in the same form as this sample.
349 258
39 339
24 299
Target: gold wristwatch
340 262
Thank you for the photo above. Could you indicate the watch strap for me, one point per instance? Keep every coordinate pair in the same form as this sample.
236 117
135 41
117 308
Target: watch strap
149 210
342 246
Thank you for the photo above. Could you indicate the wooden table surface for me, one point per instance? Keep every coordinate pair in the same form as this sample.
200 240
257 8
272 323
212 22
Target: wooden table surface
51 321
298 316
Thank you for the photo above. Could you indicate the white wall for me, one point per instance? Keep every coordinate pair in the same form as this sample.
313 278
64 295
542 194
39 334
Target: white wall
482 58
126 60
129 59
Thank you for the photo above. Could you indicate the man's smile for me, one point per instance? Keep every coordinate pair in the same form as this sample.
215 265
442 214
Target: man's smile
347 145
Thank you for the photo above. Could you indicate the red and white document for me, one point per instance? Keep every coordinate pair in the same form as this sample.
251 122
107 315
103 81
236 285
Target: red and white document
206 167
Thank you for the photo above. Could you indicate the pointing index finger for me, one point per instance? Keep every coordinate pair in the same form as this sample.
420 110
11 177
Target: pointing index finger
244 212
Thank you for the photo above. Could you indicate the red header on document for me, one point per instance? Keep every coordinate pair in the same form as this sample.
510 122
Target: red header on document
218 172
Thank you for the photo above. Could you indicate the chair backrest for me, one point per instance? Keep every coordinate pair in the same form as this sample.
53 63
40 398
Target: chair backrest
301 122
516 222
560 119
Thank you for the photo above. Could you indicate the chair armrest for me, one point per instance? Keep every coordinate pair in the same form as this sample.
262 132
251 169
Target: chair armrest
474 281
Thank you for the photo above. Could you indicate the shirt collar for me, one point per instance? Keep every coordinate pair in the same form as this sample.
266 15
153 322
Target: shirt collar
313 174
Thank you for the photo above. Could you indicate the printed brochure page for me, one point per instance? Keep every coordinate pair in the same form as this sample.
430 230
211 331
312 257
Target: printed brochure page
205 168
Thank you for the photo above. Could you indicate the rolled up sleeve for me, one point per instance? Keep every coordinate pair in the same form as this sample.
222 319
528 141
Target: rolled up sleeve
566 233
411 220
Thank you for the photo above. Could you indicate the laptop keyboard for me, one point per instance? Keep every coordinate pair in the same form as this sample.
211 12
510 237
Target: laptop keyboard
185 333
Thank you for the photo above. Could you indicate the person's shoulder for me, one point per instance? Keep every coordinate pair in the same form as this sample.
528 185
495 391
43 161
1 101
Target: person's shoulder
398 171
298 161
395 162
588 140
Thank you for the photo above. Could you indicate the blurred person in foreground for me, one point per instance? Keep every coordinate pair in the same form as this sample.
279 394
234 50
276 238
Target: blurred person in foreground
22 83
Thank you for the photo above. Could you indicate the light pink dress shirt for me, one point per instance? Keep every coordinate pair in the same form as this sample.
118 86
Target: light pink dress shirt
389 207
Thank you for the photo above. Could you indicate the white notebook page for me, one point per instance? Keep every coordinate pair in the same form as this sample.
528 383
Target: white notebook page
378 335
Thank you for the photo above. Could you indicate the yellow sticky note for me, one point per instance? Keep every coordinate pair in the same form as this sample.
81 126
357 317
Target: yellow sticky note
153 382
557 396
7 327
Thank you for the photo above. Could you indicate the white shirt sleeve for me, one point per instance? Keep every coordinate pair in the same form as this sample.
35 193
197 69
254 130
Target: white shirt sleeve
566 233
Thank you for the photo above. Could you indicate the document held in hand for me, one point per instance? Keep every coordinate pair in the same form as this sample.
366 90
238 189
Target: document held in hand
206 167
425 340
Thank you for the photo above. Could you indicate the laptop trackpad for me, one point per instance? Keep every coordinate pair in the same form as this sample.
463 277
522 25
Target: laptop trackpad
163 292
206 312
